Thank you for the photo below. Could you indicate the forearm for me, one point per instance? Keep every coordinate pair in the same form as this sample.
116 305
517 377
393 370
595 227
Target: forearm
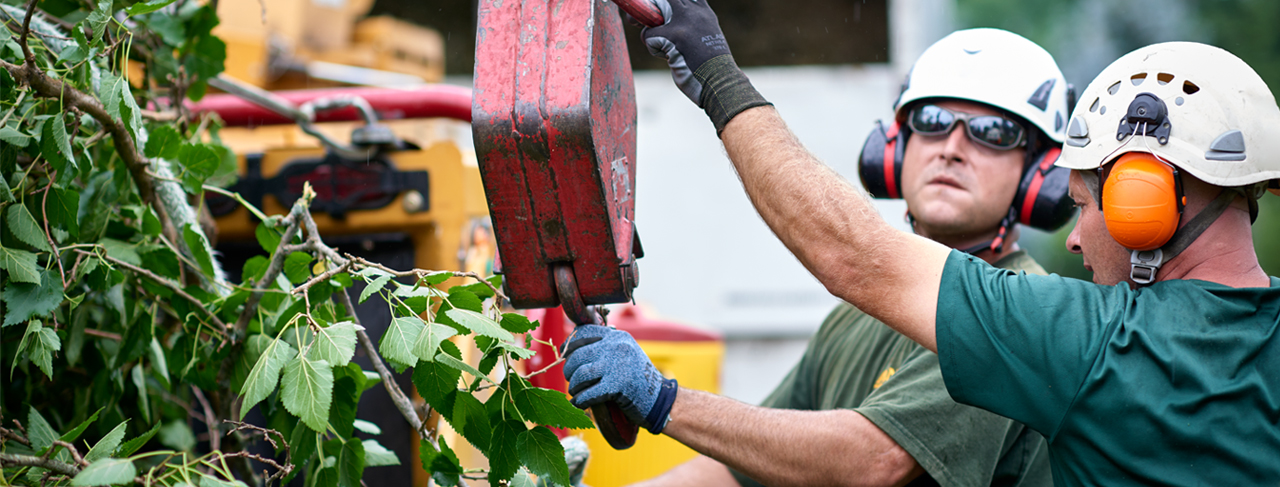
702 471
780 447
833 228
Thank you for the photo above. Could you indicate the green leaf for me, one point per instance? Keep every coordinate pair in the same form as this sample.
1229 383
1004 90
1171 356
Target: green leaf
12 136
480 324
74 434
460 365
63 208
39 432
160 362
21 265
170 28
517 323
55 145
489 360
307 391
265 375
351 463
504 459
107 471
437 277
208 481
460 298
428 342
376 455
108 444
99 19
524 479
336 343
178 436
45 343
140 383
366 427
147 7
25 301
164 142
541 452
297 267
109 91
200 162
346 395
199 248
435 381
470 419
374 286
121 250
25 227
131 446
398 341
545 406
267 237
443 465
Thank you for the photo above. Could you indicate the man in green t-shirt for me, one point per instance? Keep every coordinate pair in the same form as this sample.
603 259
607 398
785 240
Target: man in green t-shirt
1160 372
961 143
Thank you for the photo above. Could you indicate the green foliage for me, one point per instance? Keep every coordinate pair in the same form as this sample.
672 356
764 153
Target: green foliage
118 330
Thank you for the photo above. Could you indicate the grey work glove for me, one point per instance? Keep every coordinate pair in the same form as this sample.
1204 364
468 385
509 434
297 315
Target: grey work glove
604 364
703 68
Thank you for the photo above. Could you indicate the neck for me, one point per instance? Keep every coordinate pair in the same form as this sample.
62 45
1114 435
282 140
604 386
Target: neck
1223 254
968 241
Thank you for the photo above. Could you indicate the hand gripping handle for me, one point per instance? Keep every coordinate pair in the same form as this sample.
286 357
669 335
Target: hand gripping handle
643 11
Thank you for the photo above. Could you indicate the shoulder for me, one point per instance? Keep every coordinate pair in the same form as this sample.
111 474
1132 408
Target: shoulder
1020 261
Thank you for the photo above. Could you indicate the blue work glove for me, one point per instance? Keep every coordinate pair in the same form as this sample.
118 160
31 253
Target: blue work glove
605 364
696 51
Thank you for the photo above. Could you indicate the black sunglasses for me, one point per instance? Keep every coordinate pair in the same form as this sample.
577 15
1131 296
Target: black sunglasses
992 131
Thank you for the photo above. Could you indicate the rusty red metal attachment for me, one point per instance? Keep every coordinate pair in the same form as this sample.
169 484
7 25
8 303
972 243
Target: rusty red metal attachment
554 115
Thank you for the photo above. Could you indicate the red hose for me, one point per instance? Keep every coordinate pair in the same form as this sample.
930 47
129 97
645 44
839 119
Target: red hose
391 104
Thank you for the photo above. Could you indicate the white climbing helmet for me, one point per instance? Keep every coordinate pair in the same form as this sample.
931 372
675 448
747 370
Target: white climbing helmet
1220 122
995 67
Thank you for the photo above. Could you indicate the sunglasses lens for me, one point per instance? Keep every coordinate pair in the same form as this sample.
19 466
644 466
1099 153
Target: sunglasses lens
931 120
997 132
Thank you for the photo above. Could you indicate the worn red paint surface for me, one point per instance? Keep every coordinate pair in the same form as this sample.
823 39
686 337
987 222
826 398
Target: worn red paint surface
553 118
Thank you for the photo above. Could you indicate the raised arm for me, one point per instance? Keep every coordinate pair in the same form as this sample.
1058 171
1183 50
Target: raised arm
833 228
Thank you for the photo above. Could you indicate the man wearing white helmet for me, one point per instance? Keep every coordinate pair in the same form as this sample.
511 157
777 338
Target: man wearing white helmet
972 153
1161 372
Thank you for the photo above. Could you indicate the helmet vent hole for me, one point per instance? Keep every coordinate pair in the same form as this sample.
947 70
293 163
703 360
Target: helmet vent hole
1178 101
1189 87
1137 79
1094 106
1164 78
1114 88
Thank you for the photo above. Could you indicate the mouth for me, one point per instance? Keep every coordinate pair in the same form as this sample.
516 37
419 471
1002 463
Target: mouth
945 180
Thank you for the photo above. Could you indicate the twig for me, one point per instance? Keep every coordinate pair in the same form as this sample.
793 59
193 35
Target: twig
398 397
266 432
103 334
304 287
26 29
13 460
218 324
558 361
281 471
420 273
215 439
298 212
157 116
44 207
21 96
75 454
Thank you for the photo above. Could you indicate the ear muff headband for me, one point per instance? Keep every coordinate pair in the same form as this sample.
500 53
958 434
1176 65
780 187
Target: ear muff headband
1142 201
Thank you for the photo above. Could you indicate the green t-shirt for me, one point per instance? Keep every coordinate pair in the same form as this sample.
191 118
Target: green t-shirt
856 362
1176 383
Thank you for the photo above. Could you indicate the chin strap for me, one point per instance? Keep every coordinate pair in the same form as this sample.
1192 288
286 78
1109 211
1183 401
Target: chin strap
1144 264
996 244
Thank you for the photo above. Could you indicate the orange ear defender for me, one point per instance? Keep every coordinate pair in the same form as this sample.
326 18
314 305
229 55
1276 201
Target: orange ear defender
1142 201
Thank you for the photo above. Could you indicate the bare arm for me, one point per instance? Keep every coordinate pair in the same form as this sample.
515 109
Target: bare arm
783 447
702 471
833 228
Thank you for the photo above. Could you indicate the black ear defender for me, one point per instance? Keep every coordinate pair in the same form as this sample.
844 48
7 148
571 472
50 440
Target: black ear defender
1042 200
880 165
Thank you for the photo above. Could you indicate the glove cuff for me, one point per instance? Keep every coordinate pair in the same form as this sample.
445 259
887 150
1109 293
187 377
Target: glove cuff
661 411
726 91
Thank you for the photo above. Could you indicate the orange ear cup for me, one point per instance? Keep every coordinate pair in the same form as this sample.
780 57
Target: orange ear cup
1140 201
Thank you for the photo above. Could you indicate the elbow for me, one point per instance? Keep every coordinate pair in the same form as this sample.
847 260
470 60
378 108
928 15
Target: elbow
893 467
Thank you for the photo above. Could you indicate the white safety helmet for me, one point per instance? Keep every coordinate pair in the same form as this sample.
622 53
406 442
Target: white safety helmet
995 67
1222 123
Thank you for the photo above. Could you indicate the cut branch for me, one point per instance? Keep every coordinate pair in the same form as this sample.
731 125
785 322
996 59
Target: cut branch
14 460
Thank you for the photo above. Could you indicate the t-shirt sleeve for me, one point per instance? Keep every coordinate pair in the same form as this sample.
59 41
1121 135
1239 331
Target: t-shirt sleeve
956 444
1020 345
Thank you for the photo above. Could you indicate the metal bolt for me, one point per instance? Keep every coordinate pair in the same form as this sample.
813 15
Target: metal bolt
413 201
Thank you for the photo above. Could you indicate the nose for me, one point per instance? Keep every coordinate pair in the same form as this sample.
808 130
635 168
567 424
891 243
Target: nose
1073 239
957 142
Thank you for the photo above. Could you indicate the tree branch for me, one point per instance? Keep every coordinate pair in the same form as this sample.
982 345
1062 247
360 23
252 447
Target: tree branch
46 86
14 460
26 29
218 324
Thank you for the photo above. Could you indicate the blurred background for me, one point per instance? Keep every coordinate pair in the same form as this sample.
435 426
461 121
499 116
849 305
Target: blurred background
833 67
